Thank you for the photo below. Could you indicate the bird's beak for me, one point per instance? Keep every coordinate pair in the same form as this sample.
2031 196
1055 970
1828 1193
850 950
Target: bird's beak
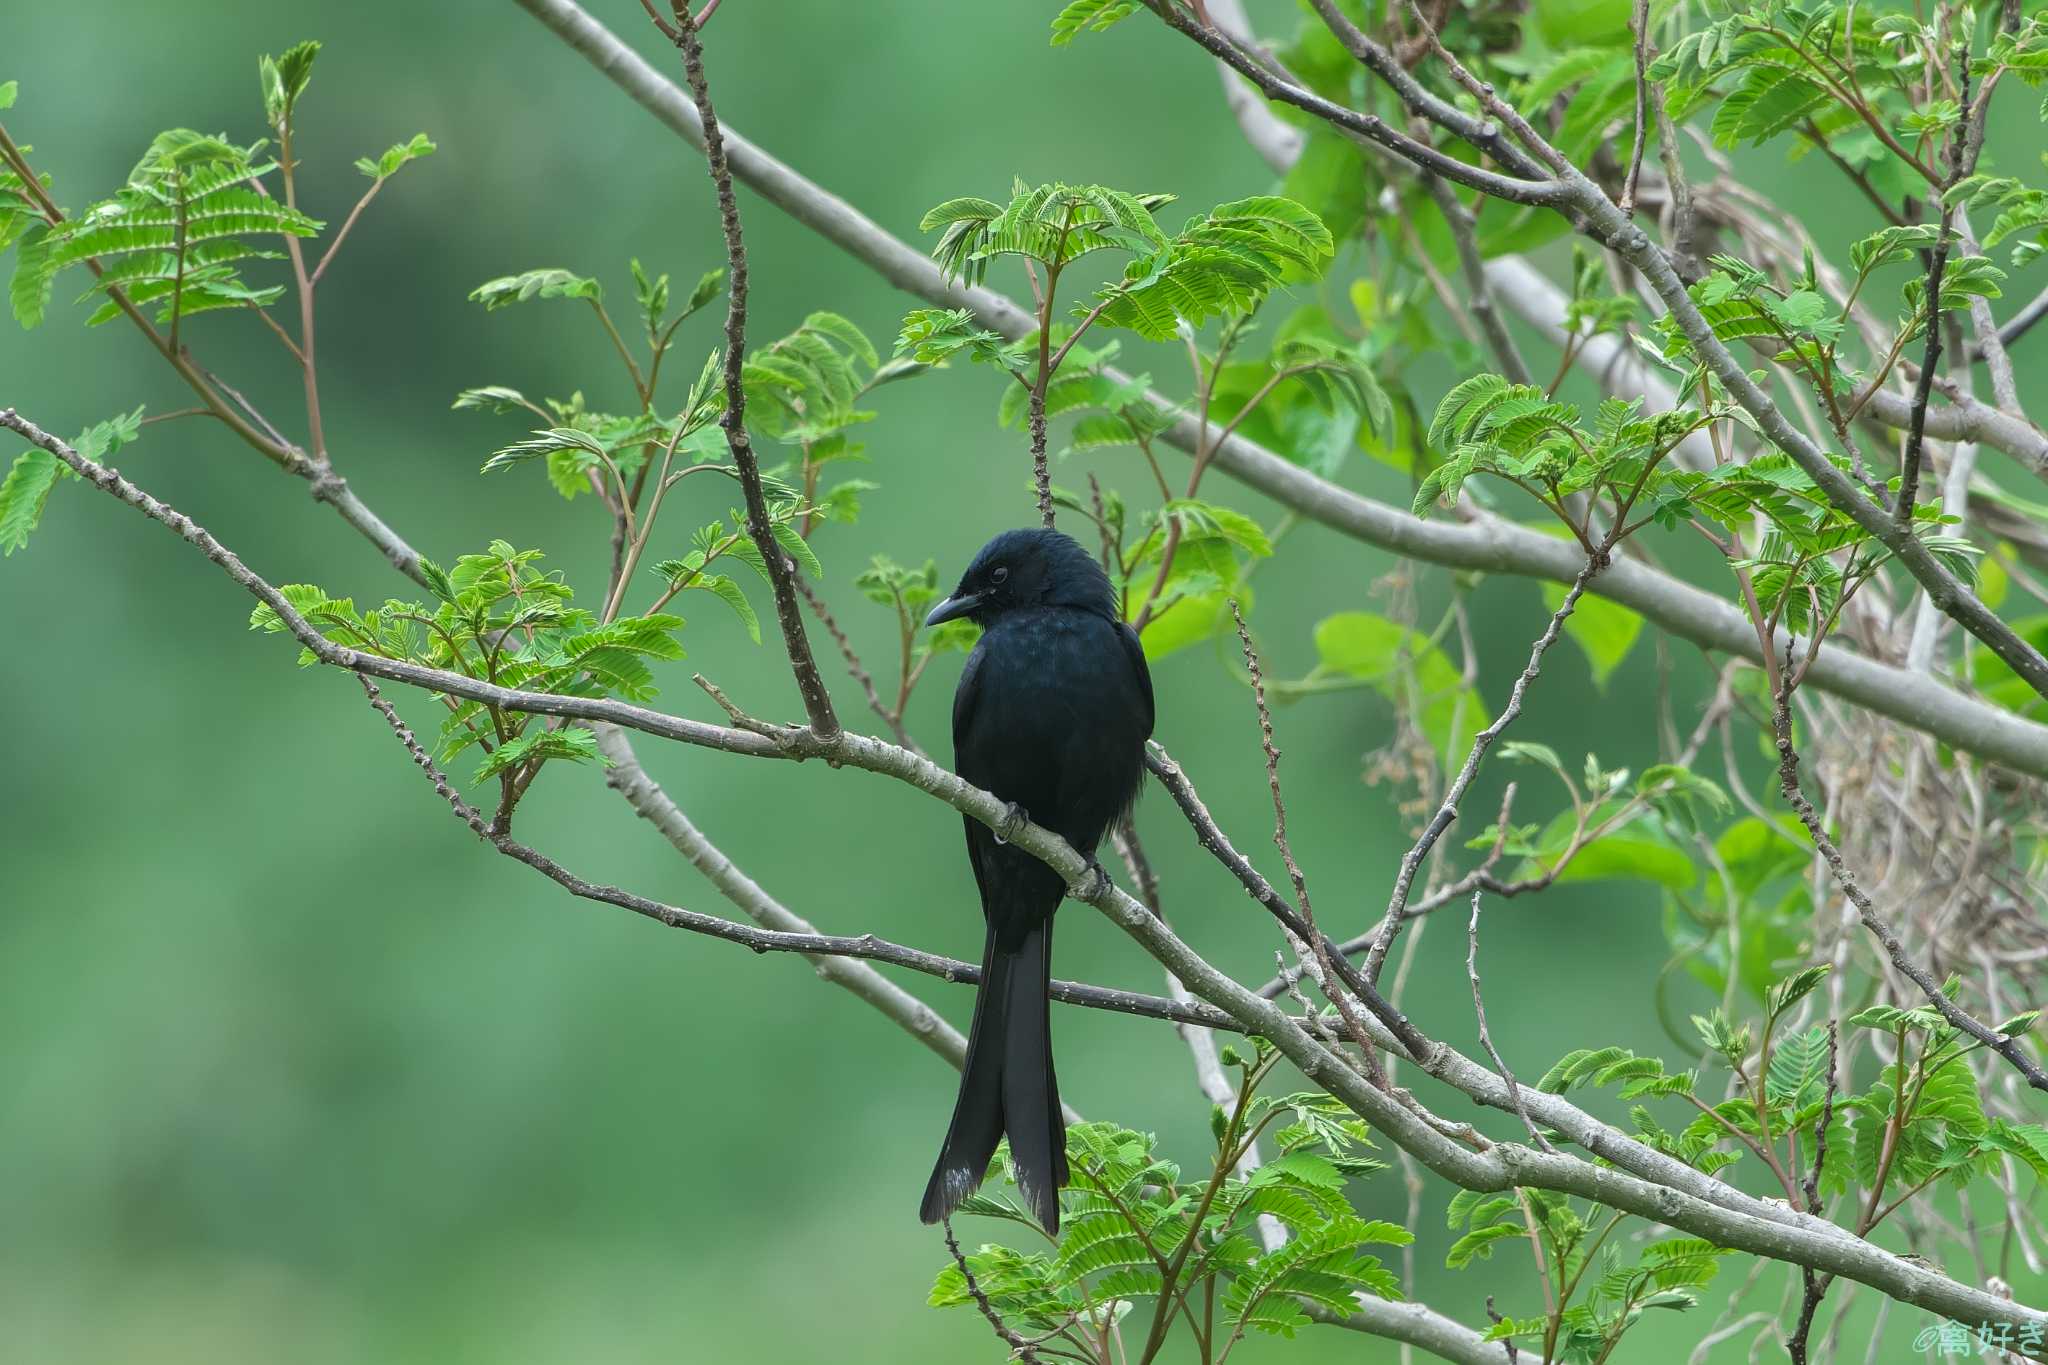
953 608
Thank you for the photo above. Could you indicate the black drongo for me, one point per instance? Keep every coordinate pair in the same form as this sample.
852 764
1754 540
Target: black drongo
1052 715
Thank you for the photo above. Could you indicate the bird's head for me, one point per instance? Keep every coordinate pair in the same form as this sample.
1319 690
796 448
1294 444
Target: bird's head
1027 568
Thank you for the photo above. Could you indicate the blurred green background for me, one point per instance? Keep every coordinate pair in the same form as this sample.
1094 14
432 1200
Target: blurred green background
296 1070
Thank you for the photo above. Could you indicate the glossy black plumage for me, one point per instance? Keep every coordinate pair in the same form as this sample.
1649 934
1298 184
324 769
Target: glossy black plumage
1052 714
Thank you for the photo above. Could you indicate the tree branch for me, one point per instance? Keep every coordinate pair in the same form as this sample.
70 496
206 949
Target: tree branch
1447 811
1595 215
1020 1349
1487 544
1212 838
1415 1324
1277 142
1481 134
1369 127
1989 345
1923 388
825 950
1639 23
2018 325
1486 1038
1788 781
1313 939
817 701
1463 223
630 780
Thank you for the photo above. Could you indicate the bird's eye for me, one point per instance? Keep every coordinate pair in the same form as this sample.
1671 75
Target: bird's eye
1001 573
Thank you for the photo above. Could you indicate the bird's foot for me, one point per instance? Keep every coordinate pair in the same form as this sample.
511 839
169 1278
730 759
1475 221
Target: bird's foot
1015 817
1094 882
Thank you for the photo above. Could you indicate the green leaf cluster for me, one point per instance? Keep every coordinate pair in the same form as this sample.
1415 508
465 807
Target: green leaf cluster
499 618
1081 16
804 391
1518 433
26 490
911 593
174 236
1222 262
194 213
1140 1239
1602 1291
712 542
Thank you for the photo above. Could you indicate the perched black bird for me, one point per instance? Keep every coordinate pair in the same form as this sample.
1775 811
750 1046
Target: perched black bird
1052 715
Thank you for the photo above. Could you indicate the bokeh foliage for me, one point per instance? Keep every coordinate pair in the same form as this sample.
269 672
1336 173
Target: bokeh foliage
298 1073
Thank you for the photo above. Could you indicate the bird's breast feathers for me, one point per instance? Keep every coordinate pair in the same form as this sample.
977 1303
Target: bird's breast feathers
1056 700
1056 665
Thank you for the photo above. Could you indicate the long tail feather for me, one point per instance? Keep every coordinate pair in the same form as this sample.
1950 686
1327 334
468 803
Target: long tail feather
1007 1084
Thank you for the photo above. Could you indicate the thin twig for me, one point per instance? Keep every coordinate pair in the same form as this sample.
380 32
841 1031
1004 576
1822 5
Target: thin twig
309 370
1684 219
646 798
1482 878
327 256
1463 224
817 701
1989 345
1491 103
893 719
1923 390
1478 131
1640 24
1815 1285
1411 862
1210 1079
1486 1038
1318 946
1020 1349
668 30
1371 127
2018 325
1212 837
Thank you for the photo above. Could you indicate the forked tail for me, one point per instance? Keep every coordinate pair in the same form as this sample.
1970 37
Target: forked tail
1007 1084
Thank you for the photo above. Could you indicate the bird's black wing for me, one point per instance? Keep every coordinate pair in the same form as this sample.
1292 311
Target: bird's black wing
967 694
965 697
1135 652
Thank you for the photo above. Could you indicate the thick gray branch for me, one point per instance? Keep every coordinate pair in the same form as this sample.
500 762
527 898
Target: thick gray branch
1418 1326
653 805
1277 141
